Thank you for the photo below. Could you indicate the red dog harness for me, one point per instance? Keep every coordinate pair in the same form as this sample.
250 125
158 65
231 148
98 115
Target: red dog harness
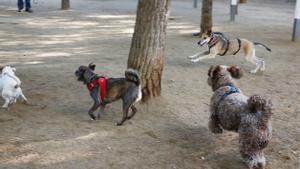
102 82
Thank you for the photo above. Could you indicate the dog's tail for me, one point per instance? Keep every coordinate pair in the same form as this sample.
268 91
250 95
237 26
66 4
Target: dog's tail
260 44
17 80
258 104
133 76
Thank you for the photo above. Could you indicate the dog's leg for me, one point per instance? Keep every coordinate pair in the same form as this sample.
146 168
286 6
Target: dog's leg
6 103
101 110
97 102
195 56
209 56
24 98
214 126
126 107
92 109
134 110
259 63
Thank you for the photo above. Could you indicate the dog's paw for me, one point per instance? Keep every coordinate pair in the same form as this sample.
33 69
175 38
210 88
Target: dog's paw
191 57
194 60
119 124
25 102
253 72
93 118
5 108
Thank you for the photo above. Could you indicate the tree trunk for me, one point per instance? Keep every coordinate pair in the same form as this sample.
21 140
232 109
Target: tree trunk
65 4
206 16
147 52
243 1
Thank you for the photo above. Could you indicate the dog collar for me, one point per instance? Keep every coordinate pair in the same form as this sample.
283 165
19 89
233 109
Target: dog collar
212 42
232 89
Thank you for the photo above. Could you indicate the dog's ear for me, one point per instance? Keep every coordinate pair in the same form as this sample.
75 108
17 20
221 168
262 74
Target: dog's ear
213 71
92 66
209 32
210 70
235 72
216 71
14 69
1 68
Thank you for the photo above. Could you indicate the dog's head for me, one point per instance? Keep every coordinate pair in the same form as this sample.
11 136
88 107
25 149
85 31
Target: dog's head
257 161
220 71
205 37
8 70
86 74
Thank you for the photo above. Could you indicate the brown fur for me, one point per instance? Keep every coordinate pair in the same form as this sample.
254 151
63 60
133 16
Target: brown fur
221 45
250 117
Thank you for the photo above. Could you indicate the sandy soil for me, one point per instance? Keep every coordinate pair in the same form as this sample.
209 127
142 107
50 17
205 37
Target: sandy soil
170 132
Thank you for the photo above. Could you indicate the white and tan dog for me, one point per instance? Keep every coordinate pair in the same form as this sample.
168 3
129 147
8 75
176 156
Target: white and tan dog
10 86
219 45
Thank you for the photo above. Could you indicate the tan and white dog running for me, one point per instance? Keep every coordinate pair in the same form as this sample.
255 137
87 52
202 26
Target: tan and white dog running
219 45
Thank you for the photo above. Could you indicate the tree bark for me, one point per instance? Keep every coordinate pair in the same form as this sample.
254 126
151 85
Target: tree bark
206 16
243 1
147 52
65 4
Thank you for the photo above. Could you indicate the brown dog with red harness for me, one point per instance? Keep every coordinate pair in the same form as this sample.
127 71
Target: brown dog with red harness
106 90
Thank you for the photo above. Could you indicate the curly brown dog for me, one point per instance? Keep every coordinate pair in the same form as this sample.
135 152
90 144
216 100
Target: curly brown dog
232 110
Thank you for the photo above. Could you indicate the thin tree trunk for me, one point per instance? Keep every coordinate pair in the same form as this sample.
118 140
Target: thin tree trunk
147 52
243 1
65 4
206 17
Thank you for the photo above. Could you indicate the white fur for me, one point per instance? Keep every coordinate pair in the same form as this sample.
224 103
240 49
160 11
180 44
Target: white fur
10 86
204 41
139 94
256 159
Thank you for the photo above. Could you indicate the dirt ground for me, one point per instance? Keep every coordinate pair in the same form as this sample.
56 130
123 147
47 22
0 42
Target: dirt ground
170 132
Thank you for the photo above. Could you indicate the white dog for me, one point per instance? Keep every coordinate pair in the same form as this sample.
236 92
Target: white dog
10 86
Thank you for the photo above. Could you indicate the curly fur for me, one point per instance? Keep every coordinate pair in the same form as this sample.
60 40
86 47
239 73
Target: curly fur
250 117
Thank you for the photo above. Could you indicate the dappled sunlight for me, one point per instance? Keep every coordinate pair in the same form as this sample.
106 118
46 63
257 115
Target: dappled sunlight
127 31
181 27
23 63
89 136
53 54
112 16
22 159
40 34
57 157
33 63
131 22
61 152
26 43
61 24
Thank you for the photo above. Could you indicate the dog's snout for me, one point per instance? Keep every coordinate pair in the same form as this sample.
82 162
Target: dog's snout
76 73
199 42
